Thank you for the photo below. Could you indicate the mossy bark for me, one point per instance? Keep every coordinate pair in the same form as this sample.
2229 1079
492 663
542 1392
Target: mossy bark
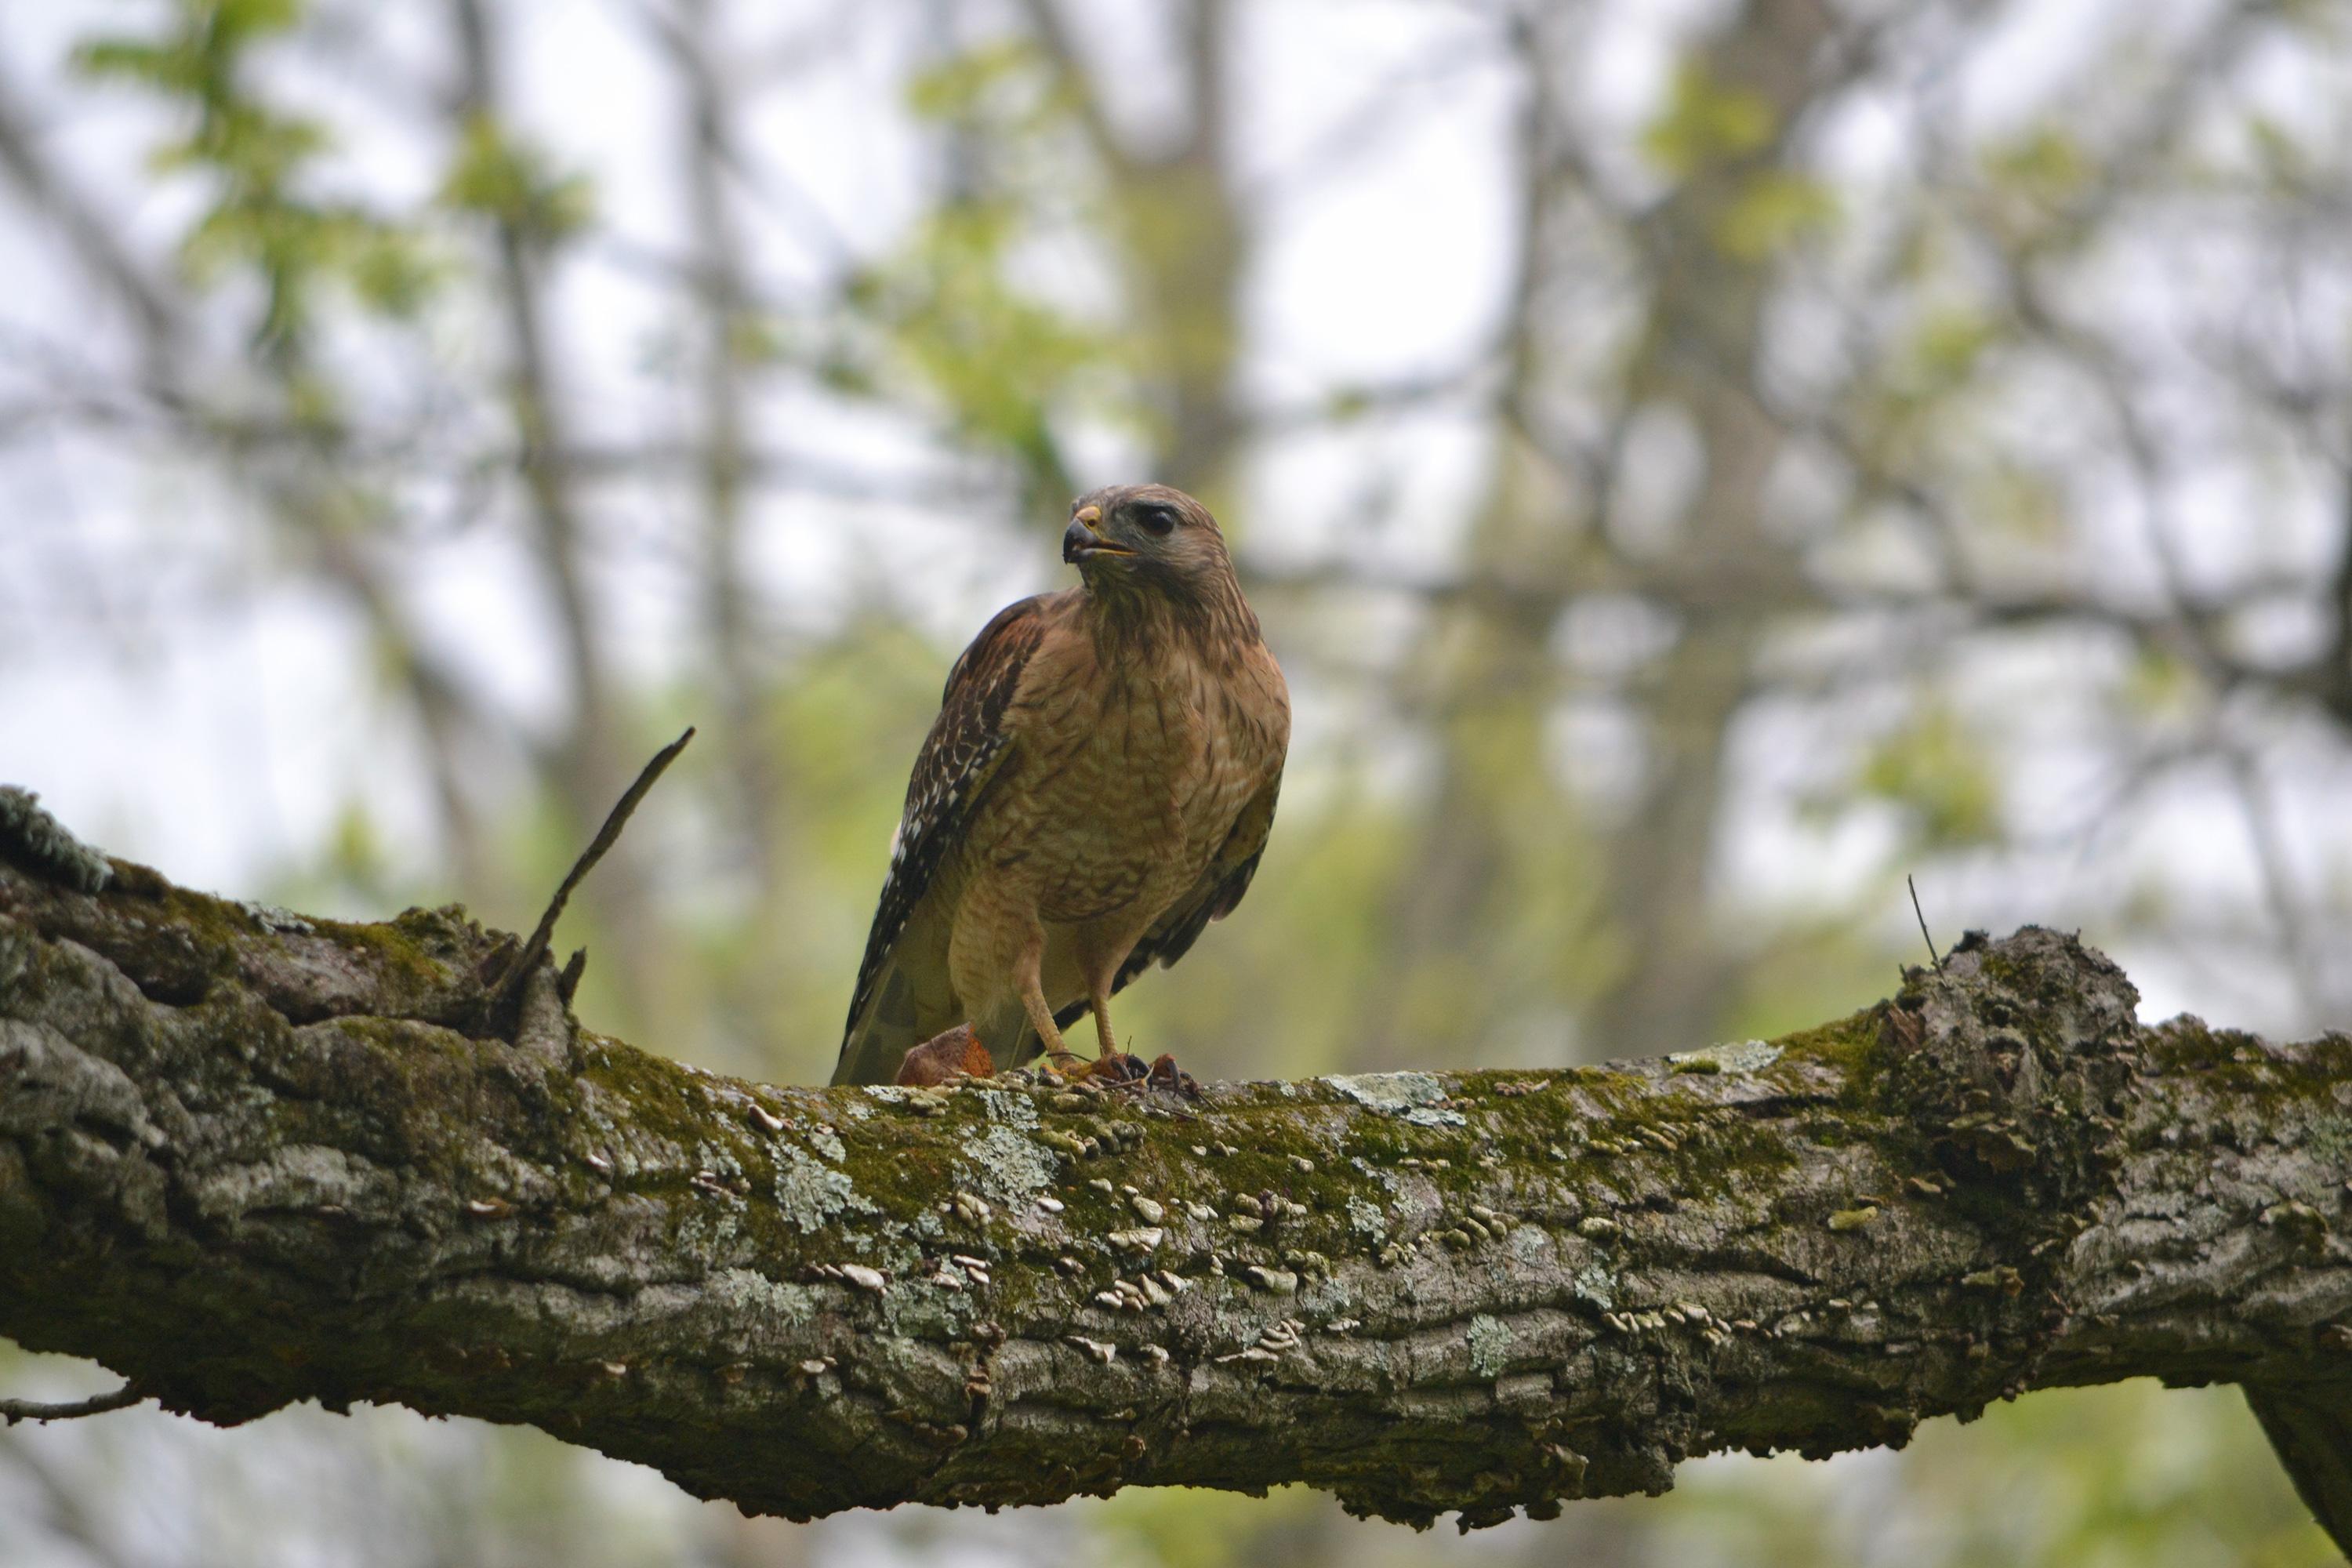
248 1158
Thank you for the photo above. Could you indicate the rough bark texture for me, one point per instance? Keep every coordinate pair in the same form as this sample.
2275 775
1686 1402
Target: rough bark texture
248 1158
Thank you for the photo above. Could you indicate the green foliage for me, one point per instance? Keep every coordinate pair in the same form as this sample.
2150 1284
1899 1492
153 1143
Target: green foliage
957 319
202 55
497 176
1707 122
1773 210
1948 344
1000 360
2045 167
1004 85
2028 504
1184 1527
2131 1476
259 162
2162 686
1940 774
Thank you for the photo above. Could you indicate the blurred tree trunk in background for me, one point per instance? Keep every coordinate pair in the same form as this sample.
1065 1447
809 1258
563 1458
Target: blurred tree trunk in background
730 344
1500 813
1174 218
584 764
1701 352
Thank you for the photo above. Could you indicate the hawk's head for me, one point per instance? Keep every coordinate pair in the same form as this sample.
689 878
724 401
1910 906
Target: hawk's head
1125 538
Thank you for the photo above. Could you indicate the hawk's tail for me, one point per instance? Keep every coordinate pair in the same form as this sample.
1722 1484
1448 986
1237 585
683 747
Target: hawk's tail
890 1025
879 1037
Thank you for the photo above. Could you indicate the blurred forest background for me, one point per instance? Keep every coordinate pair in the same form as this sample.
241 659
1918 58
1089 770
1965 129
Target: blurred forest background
1698 460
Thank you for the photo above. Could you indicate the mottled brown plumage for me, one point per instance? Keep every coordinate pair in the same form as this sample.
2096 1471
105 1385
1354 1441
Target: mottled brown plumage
1096 788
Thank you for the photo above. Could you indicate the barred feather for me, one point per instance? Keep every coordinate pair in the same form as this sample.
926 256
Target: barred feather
960 756
1213 897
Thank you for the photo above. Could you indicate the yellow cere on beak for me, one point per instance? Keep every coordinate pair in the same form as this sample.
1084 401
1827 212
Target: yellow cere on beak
1089 515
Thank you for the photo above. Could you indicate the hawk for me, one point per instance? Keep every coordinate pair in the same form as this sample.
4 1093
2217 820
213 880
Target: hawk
1096 788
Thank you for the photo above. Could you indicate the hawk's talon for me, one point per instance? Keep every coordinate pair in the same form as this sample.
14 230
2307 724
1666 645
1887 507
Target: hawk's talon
1166 1075
1117 1070
1120 1070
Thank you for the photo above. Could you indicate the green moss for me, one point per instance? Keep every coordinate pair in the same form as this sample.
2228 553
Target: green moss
2244 1064
2295 1093
1849 1044
417 945
211 927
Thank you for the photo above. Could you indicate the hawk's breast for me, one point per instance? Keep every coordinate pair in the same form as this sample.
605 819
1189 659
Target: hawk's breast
1126 788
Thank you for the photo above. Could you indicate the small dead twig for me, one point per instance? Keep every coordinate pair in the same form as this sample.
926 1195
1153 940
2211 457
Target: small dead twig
1934 955
503 994
15 1410
567 982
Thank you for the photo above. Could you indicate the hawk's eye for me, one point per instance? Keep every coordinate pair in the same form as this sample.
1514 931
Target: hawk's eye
1156 516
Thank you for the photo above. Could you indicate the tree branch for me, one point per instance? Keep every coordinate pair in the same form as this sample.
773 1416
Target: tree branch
15 1410
248 1158
508 988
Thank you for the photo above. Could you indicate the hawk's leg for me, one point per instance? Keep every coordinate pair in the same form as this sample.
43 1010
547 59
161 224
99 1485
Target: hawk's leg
1100 1003
1120 1068
1041 1018
1099 947
1033 1002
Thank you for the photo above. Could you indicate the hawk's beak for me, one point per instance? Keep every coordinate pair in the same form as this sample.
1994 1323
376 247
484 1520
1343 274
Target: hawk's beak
1080 542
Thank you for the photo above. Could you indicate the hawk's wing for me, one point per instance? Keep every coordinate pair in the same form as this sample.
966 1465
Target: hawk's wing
1213 898
961 755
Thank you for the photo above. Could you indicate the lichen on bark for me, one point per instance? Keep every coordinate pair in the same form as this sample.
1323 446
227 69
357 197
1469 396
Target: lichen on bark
247 1159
